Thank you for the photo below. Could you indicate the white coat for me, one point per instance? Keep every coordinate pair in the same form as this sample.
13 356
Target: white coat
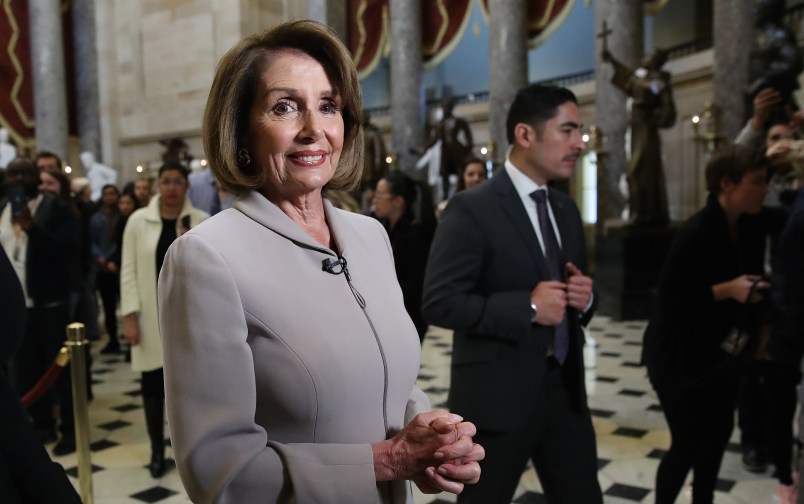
138 278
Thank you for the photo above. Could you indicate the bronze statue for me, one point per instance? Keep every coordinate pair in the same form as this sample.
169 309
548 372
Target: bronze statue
775 60
374 165
652 108
456 143
177 151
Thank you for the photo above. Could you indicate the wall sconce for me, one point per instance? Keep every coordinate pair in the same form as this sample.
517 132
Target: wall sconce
392 160
594 140
705 128
488 150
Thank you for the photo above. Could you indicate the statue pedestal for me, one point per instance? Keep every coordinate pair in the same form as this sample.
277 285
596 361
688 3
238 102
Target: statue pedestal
629 261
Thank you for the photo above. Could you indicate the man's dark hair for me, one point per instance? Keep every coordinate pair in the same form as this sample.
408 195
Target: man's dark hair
47 154
173 166
535 105
732 162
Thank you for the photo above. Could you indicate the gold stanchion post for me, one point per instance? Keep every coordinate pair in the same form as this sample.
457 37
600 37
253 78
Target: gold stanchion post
79 346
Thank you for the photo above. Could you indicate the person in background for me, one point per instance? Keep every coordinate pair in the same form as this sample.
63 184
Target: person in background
142 191
127 204
474 172
710 279
104 248
505 272
147 236
40 234
50 162
85 306
204 193
283 313
405 209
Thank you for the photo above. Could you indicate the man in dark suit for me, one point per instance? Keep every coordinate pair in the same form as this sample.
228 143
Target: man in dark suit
506 273
40 237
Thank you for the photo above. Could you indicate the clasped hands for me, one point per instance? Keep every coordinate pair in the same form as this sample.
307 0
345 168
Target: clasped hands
552 297
435 451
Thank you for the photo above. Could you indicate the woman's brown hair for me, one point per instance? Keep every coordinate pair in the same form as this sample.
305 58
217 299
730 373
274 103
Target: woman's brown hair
234 90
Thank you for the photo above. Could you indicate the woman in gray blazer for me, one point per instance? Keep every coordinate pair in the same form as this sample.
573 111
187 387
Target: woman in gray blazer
289 372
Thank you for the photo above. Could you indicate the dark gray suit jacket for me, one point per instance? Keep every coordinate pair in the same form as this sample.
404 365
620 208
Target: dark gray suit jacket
484 262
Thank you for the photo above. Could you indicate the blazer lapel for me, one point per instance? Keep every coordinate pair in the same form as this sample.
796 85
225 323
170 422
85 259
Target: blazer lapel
512 206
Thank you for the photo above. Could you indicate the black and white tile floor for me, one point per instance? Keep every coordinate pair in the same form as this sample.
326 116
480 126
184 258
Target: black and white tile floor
631 432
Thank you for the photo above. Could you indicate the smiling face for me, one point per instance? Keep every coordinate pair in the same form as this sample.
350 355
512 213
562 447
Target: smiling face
295 128
551 151
473 174
49 183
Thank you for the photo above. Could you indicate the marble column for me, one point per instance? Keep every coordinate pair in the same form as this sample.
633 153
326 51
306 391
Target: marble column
625 42
407 94
508 66
329 12
47 60
733 36
86 76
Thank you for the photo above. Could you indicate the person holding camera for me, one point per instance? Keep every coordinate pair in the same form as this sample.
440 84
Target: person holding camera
708 293
40 234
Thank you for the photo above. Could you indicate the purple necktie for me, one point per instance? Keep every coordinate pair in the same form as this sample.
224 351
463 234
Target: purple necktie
552 254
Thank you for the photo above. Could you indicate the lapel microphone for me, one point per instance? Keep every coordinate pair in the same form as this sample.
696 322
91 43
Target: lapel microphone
335 266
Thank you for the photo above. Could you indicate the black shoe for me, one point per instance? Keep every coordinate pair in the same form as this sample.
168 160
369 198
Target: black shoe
754 461
157 465
64 447
111 348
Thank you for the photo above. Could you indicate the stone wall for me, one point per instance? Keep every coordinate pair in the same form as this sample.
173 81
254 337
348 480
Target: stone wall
157 59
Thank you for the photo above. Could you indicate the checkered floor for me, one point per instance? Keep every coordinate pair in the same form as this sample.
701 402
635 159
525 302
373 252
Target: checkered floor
631 432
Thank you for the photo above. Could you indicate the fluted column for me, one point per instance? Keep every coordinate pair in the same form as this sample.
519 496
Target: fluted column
86 76
47 59
733 36
508 65
329 12
625 42
407 96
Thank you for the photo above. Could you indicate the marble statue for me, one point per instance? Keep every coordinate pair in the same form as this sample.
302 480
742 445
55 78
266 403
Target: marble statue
98 174
7 151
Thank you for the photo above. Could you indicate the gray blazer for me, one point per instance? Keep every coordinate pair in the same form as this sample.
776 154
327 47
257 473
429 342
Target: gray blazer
278 374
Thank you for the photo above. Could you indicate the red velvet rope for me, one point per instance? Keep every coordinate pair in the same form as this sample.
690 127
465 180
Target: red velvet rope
45 382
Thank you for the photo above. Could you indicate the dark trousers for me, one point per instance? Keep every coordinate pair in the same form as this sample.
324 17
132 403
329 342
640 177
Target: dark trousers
754 406
560 443
86 306
109 287
44 336
153 384
782 382
701 419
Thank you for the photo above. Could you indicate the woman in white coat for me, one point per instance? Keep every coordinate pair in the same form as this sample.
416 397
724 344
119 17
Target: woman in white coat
148 234
290 375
